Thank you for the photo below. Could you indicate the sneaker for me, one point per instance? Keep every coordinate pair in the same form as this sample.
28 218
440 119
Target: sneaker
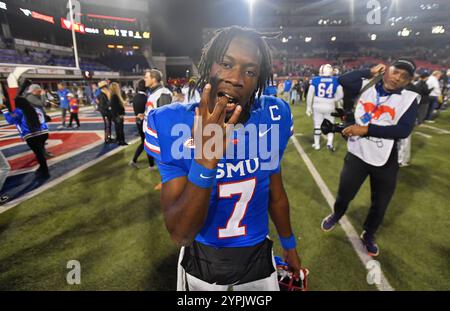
370 244
122 143
133 164
4 199
60 127
330 147
329 222
316 147
158 187
403 164
430 121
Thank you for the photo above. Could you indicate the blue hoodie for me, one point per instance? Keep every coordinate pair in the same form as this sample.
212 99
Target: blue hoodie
19 120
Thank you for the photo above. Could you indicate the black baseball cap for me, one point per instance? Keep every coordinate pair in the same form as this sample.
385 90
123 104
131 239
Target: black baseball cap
405 64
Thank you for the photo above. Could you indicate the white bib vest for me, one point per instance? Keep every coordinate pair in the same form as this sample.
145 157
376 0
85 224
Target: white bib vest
373 150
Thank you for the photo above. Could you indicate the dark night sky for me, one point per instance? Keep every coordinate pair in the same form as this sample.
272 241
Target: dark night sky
177 25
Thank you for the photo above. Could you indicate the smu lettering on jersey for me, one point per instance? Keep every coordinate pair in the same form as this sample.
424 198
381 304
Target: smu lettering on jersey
238 208
325 87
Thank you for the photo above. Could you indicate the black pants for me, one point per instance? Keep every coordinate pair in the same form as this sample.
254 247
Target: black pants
383 180
106 116
74 116
118 125
140 148
37 144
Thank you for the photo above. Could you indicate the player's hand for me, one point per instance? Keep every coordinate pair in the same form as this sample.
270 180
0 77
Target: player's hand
355 130
140 116
378 69
308 112
203 118
293 261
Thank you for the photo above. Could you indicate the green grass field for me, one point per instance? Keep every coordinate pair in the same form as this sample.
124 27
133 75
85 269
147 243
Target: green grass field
108 218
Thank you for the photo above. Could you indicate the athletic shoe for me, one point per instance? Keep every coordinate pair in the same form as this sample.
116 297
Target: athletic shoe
133 164
370 244
329 222
316 147
330 147
404 164
430 121
4 199
122 143
60 127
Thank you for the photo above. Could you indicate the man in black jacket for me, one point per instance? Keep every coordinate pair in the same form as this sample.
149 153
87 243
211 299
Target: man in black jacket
424 92
139 102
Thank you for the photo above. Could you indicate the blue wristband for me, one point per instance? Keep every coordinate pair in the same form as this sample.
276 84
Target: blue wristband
201 176
288 243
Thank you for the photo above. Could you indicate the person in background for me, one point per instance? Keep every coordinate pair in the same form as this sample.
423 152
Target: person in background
424 92
372 141
34 97
4 171
73 102
191 94
435 93
104 107
31 125
63 103
118 112
139 101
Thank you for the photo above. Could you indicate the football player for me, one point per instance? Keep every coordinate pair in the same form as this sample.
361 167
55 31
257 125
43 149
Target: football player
217 207
324 91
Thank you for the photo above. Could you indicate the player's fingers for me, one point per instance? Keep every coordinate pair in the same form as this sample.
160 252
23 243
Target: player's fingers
219 108
235 116
204 100
196 118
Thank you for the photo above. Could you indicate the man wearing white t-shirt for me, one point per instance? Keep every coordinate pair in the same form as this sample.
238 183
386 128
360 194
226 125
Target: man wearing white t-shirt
435 88
384 113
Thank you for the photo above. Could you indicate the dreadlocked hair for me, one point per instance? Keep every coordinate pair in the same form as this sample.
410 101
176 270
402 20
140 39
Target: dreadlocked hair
216 48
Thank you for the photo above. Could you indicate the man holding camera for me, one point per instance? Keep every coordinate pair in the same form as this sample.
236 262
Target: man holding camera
385 112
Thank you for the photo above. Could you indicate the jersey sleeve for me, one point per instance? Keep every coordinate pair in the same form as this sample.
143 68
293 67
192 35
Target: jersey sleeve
285 123
158 144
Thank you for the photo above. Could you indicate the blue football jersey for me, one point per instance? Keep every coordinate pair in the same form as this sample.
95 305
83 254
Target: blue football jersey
238 207
325 87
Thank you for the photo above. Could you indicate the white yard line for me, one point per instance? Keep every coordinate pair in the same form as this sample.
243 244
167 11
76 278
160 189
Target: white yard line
442 131
62 178
423 134
349 230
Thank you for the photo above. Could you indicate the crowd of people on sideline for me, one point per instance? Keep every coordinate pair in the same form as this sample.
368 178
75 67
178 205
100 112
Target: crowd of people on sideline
110 99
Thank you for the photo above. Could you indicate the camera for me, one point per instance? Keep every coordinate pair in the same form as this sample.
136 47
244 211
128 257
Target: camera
346 116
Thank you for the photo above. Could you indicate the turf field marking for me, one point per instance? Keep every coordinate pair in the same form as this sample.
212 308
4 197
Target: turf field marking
439 130
423 134
62 178
349 230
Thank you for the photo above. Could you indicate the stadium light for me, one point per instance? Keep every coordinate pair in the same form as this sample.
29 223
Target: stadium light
308 39
438 29
405 32
333 38
373 37
284 39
